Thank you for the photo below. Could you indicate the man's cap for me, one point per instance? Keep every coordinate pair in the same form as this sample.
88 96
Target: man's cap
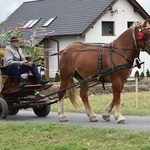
14 39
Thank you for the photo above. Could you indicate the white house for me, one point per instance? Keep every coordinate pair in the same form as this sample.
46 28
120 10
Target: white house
88 21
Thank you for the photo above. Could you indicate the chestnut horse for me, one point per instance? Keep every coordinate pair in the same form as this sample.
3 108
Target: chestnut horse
116 57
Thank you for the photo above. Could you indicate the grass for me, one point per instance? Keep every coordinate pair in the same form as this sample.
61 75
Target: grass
51 136
100 102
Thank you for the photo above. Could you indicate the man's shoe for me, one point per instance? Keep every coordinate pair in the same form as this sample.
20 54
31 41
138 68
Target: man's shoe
21 84
41 81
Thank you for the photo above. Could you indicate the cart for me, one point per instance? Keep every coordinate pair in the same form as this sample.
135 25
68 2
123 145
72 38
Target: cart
13 98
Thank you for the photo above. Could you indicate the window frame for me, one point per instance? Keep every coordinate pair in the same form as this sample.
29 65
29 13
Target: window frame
112 26
31 23
129 24
49 21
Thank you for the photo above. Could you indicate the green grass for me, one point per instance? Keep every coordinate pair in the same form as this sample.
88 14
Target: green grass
100 102
50 136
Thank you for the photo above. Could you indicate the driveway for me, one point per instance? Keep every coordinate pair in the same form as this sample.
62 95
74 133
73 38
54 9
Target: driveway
133 122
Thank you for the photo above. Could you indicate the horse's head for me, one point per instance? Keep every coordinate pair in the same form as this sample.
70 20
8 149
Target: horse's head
142 35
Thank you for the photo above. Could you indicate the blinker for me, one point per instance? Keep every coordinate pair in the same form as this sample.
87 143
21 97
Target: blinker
140 36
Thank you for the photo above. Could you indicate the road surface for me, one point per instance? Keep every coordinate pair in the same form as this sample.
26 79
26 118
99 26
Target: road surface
133 122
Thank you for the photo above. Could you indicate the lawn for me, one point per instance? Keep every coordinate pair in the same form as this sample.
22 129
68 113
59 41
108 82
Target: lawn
51 136
99 103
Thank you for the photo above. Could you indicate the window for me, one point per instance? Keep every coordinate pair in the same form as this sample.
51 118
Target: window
129 24
107 28
49 22
31 23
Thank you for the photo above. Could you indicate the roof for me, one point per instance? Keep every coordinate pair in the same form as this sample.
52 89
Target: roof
74 17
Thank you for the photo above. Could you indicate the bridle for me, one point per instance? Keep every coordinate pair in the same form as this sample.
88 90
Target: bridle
141 36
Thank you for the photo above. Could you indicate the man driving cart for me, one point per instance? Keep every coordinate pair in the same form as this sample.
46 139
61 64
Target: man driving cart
15 63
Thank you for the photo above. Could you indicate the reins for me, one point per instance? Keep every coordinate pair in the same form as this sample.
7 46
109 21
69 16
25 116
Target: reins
115 47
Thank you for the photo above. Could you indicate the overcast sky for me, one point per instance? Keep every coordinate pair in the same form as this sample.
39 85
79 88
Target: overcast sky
9 6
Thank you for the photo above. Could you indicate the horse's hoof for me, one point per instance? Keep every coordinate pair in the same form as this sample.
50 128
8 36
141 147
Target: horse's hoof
63 119
121 122
106 118
93 119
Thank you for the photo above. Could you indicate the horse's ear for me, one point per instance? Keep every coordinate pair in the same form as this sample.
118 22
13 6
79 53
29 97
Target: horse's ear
145 23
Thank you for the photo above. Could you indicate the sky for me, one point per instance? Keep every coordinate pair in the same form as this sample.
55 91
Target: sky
7 7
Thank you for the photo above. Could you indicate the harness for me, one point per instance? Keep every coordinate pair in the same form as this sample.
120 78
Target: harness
102 72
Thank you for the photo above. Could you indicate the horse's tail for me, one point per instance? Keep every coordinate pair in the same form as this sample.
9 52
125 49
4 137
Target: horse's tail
73 96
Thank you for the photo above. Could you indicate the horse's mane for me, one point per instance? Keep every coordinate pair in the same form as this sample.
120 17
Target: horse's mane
136 25
140 24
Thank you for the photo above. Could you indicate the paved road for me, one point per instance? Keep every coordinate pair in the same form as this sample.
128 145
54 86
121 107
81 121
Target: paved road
133 122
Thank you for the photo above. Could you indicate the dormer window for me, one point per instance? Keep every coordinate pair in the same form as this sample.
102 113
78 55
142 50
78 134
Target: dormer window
31 23
49 22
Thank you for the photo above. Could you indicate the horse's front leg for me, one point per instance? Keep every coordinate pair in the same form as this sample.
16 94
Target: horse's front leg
84 96
106 114
117 88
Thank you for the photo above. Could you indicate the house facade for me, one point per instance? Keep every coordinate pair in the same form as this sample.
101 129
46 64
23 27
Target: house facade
84 21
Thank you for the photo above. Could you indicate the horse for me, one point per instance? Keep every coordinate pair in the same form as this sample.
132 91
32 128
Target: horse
110 63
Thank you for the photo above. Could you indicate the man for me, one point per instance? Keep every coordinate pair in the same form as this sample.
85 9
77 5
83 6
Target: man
15 63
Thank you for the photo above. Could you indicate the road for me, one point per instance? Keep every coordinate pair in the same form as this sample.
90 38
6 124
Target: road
133 122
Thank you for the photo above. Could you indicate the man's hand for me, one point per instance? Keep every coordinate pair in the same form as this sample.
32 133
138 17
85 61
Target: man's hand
30 64
21 63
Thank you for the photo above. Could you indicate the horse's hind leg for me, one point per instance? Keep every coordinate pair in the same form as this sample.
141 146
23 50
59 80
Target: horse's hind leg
62 116
84 95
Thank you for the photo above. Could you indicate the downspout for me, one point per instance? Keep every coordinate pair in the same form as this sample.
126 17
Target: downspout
57 49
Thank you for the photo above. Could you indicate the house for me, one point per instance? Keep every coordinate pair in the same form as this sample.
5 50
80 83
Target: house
68 21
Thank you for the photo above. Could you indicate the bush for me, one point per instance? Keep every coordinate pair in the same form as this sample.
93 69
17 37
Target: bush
44 77
147 73
142 75
57 77
137 74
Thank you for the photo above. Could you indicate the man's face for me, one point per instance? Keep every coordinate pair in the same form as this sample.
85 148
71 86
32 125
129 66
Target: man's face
15 44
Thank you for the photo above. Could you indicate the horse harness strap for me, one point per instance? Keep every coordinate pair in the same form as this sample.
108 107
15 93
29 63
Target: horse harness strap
102 72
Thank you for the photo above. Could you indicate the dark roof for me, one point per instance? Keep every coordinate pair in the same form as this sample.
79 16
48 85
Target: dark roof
74 17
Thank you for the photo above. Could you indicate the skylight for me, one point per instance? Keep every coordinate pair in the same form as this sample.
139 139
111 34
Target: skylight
31 23
49 22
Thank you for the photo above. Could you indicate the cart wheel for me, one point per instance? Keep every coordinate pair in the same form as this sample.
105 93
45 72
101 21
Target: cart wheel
42 111
13 111
3 109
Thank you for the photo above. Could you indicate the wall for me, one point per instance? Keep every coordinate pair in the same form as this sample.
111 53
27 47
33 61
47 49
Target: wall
125 14
63 42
